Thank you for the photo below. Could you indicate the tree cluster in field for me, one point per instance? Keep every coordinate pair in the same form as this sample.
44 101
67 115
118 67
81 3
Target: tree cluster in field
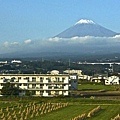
116 117
90 114
29 111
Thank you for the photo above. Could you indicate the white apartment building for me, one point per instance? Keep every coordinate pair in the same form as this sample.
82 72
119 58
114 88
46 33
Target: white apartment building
41 84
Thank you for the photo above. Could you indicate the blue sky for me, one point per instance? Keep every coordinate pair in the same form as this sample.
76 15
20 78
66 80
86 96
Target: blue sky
24 21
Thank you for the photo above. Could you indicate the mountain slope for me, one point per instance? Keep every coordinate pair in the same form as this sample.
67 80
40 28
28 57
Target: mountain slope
86 28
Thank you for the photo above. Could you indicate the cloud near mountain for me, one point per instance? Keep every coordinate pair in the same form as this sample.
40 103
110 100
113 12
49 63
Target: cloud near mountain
90 40
61 44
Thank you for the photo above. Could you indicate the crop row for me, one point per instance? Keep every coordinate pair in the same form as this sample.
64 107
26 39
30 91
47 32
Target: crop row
28 111
90 114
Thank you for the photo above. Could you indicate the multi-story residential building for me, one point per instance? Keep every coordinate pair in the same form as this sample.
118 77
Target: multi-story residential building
41 84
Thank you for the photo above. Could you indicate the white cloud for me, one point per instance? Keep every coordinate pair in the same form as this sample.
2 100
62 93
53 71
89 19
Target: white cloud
55 39
61 43
10 44
87 40
117 36
14 43
29 41
6 44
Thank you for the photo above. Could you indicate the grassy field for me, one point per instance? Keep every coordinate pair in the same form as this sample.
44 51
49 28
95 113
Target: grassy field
66 113
107 112
60 108
56 108
96 87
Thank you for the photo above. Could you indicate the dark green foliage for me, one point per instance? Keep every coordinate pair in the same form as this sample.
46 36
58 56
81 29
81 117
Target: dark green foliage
28 93
9 89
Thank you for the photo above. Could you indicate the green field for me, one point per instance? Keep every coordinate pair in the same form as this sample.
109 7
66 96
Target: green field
62 108
54 109
107 112
97 87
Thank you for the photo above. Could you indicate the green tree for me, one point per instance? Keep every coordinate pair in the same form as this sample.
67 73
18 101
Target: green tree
28 93
9 89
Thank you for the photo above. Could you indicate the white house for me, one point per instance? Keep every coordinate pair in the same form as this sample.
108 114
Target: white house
54 72
98 79
16 61
112 80
78 72
3 62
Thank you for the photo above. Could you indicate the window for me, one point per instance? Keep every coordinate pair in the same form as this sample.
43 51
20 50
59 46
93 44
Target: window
26 78
63 79
12 78
41 92
25 84
33 79
41 79
49 87
33 85
57 79
49 92
57 93
19 78
41 86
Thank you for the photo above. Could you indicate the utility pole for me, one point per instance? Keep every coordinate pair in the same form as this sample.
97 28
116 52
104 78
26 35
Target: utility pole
42 59
112 69
69 63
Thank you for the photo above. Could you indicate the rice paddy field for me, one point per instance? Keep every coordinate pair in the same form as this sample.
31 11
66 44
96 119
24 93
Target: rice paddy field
97 87
36 108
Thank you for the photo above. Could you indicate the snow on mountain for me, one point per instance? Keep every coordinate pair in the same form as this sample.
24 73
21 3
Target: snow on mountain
86 27
84 21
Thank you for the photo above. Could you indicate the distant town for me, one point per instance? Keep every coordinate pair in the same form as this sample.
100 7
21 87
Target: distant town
54 77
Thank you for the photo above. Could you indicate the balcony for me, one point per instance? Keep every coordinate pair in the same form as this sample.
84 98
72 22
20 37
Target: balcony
35 88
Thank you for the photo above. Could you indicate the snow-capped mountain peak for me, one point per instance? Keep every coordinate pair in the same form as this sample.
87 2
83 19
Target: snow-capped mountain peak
84 21
85 27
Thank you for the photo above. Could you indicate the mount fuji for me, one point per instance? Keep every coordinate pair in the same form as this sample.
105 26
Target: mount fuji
85 27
